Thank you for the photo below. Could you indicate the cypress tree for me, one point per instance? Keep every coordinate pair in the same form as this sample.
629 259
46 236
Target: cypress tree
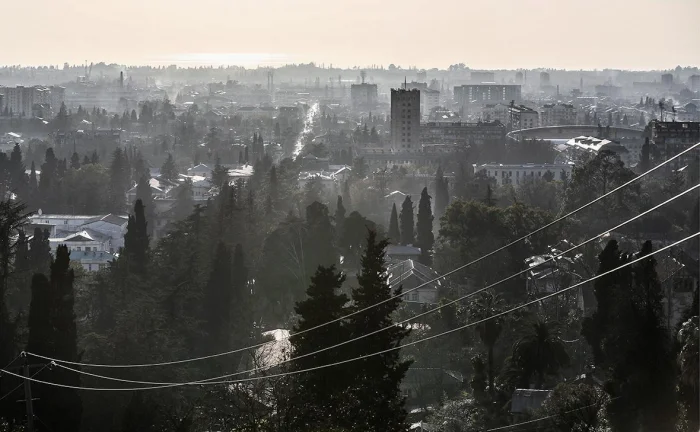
18 178
242 318
95 159
140 167
169 170
219 174
339 216
273 188
144 194
376 402
183 200
75 161
41 335
40 252
406 219
119 181
424 228
346 196
86 160
136 241
64 405
442 195
644 159
488 199
319 245
217 302
394 235
48 180
321 395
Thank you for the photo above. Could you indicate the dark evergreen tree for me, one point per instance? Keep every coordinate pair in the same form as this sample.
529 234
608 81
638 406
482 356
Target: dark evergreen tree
63 405
376 400
41 335
136 241
319 244
630 342
75 161
394 233
644 159
144 194
39 252
119 181
321 396
313 190
442 194
424 228
219 174
184 202
406 222
169 169
346 195
18 177
273 188
339 216
489 200
47 181
140 167
216 314
94 159
86 160
242 319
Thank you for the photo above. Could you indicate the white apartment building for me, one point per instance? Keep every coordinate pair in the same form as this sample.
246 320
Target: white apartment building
558 114
523 117
516 174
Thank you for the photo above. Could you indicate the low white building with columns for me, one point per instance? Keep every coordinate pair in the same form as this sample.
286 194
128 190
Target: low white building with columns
516 174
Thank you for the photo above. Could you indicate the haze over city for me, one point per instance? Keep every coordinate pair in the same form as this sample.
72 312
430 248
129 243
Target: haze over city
596 34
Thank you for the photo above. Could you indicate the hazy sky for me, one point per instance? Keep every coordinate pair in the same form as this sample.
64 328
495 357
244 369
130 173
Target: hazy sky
572 34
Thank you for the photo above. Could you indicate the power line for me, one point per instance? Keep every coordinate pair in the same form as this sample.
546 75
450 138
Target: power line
338 363
548 417
20 385
193 359
58 363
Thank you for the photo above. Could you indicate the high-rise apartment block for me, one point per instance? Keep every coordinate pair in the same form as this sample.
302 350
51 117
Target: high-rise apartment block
482 94
671 138
24 101
558 114
363 95
405 119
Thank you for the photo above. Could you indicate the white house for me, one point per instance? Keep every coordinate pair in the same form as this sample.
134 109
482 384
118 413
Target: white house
410 274
158 191
104 232
92 260
80 241
200 170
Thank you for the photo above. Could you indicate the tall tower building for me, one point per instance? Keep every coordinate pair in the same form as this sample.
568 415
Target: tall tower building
405 119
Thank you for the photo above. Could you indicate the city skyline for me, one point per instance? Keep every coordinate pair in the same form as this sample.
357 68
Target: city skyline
508 35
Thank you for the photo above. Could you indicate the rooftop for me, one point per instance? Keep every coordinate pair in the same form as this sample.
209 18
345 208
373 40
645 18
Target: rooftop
399 272
110 218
